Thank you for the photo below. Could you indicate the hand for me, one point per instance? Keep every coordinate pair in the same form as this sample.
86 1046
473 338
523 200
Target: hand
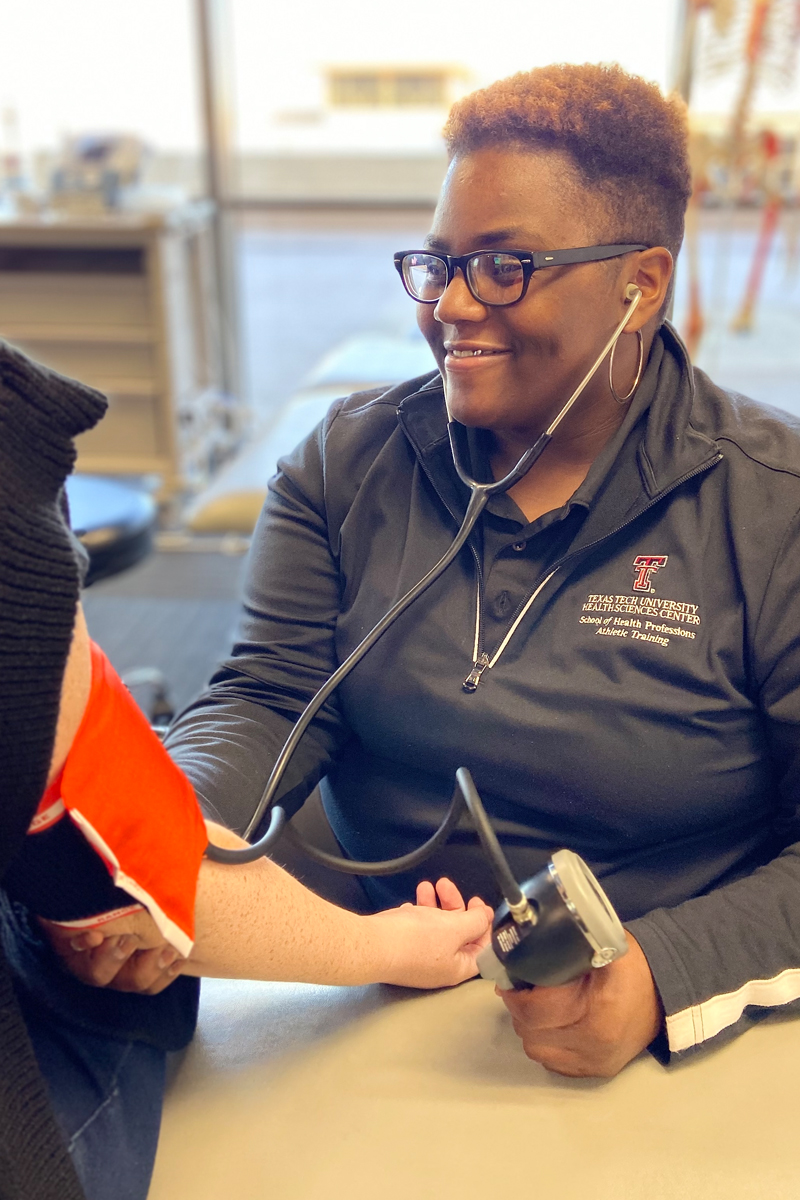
430 948
594 1025
447 896
128 954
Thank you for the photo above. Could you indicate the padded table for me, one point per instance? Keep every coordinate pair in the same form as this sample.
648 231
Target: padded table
295 1092
114 522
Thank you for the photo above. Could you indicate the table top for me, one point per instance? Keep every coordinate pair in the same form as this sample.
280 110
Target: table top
295 1092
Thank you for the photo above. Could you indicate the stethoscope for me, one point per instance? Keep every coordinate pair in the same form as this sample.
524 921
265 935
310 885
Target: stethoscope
522 910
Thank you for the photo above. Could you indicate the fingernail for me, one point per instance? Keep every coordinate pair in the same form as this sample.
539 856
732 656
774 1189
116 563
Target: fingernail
121 949
77 945
166 958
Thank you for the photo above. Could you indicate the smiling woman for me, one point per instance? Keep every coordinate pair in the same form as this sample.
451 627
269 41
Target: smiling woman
614 653
560 140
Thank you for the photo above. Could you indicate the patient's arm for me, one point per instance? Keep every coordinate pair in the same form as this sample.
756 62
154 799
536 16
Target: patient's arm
257 921
118 826
74 694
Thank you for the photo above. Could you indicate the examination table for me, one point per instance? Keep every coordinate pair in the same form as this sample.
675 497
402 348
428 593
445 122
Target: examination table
298 1092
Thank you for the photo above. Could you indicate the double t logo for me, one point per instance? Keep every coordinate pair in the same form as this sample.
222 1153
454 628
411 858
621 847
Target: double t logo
645 565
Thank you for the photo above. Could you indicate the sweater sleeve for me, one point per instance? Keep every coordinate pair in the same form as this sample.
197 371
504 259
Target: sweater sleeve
727 959
227 740
40 415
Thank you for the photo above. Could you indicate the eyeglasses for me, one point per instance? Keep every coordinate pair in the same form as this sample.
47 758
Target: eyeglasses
494 277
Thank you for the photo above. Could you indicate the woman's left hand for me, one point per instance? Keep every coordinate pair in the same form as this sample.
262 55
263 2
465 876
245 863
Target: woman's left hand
594 1025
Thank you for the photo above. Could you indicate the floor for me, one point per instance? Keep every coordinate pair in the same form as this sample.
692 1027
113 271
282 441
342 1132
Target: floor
175 612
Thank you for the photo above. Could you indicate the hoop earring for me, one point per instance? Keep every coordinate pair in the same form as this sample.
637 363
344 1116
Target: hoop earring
625 399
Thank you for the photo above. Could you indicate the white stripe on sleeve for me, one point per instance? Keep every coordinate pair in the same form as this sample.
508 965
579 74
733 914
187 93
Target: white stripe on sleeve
697 1024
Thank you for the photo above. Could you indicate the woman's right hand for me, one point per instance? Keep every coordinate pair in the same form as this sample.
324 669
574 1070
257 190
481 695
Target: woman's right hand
429 947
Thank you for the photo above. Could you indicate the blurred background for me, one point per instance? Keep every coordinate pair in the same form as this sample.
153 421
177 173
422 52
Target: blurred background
199 201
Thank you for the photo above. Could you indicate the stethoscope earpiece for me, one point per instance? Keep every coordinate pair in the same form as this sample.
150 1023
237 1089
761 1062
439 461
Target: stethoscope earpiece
632 292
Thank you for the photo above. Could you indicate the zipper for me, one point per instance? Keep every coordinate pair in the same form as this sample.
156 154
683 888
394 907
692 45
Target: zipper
481 660
474 677
476 645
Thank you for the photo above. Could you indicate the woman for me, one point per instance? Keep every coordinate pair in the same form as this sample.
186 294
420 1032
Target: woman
624 618
110 805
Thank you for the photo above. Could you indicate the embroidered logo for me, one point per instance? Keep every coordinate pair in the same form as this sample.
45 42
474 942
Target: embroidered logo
645 565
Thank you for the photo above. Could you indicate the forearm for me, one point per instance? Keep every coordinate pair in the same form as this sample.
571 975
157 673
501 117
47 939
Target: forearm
719 961
258 922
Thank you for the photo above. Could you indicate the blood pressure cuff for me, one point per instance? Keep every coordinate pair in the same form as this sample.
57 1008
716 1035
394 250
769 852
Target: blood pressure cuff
118 830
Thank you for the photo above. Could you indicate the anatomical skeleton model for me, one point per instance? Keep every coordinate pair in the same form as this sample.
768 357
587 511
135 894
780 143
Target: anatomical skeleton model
757 39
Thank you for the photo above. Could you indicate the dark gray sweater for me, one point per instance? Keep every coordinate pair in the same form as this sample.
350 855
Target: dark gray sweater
40 574
40 415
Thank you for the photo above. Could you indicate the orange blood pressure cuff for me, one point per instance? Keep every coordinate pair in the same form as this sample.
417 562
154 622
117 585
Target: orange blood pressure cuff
120 828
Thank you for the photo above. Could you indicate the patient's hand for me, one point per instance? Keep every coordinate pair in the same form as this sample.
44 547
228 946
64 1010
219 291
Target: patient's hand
128 954
447 896
410 924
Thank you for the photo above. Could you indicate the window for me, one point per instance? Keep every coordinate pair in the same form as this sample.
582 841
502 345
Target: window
391 87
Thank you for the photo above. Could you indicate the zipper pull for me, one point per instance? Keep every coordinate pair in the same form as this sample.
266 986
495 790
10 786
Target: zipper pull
474 677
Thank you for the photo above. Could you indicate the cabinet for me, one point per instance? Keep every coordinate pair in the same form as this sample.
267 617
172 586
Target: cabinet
128 304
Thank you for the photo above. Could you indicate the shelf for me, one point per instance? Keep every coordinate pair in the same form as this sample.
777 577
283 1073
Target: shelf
118 464
127 304
53 225
123 386
120 335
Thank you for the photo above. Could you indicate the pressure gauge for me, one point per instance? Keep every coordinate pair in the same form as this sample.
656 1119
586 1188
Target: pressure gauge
570 928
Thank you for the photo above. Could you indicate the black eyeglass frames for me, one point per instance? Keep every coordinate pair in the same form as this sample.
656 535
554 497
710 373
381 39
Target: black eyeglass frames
494 277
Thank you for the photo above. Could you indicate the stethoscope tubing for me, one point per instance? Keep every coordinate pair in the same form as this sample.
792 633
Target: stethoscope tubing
480 493
475 507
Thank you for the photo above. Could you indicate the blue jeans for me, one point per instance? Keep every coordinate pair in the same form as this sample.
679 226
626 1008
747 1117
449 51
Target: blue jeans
107 1092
